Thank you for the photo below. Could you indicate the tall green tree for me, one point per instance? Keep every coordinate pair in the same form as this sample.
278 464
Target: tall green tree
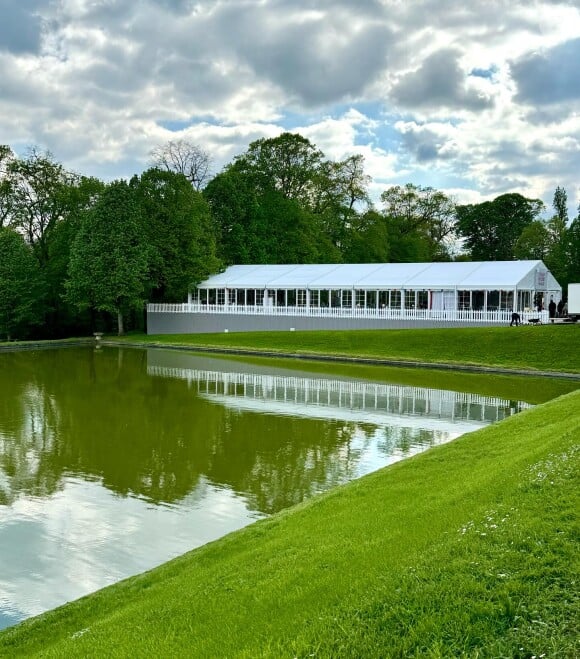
22 287
367 240
177 227
233 202
291 236
491 229
534 242
109 260
288 164
341 197
62 318
37 196
421 222
573 251
557 229
287 172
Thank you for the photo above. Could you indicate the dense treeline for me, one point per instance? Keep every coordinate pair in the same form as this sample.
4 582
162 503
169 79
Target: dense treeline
78 255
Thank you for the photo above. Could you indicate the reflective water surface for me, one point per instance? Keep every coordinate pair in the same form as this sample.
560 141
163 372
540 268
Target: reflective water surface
113 461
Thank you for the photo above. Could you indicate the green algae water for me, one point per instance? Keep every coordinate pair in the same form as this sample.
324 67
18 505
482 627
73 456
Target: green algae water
113 461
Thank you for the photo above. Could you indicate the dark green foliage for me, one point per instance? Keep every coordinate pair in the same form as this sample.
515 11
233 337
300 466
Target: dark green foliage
534 242
6 158
557 227
233 202
22 288
367 241
62 318
290 233
341 198
491 229
260 201
573 250
38 196
109 257
44 201
176 225
289 164
420 223
560 204
283 202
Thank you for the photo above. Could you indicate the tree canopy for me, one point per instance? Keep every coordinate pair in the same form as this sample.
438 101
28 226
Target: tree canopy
420 222
491 229
22 288
176 225
99 251
109 258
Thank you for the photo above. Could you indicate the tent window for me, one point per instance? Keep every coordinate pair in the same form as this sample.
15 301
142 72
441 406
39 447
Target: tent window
492 300
423 299
463 299
395 301
371 299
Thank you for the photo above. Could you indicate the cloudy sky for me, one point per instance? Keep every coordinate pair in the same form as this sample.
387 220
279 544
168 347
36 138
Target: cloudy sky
475 98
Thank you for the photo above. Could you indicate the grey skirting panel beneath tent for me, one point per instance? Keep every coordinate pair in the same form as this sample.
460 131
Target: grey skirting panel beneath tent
199 323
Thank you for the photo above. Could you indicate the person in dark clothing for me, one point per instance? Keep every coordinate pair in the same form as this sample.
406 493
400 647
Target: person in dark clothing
560 307
515 319
552 308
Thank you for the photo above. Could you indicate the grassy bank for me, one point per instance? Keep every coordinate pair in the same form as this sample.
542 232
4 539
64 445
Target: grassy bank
469 549
544 348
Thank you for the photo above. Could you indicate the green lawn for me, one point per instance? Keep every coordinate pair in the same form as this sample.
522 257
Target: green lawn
546 348
469 549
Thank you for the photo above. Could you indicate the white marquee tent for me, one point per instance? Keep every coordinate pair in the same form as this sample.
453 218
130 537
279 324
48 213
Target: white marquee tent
477 286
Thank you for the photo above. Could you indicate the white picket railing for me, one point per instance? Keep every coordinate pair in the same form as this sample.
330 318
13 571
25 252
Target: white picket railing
450 315
403 400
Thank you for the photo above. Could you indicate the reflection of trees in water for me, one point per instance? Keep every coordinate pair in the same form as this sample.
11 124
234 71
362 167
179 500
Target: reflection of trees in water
401 440
277 461
132 432
96 414
105 419
27 421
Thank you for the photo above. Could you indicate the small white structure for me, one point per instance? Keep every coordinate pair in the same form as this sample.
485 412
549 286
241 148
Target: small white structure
461 292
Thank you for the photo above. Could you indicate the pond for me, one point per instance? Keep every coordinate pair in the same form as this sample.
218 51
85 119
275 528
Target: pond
113 461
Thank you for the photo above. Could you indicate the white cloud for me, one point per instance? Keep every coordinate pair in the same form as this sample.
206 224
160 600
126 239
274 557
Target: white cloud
480 97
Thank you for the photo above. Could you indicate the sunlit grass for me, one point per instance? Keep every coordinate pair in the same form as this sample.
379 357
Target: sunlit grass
546 348
469 549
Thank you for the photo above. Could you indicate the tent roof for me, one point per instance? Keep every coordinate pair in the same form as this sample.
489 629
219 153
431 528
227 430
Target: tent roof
464 274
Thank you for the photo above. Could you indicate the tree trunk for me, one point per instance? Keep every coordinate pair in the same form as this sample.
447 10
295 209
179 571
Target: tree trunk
121 329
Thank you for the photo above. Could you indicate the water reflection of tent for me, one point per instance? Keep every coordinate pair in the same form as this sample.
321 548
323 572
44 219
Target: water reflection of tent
352 401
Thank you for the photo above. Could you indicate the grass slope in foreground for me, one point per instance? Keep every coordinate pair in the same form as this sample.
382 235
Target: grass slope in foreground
469 549
547 348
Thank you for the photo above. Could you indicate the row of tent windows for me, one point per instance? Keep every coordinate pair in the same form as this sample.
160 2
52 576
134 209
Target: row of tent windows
341 298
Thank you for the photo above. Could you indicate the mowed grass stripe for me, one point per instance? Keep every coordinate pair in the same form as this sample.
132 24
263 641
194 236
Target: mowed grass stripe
543 348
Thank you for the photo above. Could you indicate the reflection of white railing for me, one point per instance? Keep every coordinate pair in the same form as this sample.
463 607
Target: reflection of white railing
356 396
451 315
